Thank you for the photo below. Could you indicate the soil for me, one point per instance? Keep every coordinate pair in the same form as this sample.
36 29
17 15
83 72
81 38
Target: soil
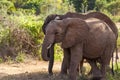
34 70
30 70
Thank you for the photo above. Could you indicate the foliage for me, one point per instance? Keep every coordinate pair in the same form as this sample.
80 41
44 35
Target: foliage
6 6
113 7
77 4
100 5
55 6
115 77
20 36
28 4
118 40
1 60
58 53
83 5
20 57
115 18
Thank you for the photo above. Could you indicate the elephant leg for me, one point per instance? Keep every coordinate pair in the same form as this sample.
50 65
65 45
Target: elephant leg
105 60
66 61
81 66
51 61
103 70
79 69
76 57
95 71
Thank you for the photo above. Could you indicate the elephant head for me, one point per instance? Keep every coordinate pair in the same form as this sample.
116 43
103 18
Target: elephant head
48 19
61 31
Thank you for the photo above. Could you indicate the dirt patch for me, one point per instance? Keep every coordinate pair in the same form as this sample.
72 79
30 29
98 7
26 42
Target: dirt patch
31 70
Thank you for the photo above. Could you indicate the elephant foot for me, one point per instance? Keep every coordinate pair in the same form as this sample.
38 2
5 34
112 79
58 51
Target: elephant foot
95 75
50 74
62 76
95 78
102 79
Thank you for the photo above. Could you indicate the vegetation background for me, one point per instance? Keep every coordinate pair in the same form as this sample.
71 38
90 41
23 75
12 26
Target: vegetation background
21 22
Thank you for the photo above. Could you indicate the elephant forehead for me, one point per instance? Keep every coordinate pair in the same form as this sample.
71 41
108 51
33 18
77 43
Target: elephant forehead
50 28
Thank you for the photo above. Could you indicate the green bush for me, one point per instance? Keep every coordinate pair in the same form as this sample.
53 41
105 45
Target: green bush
118 41
116 18
58 53
20 57
113 7
21 34
115 76
1 60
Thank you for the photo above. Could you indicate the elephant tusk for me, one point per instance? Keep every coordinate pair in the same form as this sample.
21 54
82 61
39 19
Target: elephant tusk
49 46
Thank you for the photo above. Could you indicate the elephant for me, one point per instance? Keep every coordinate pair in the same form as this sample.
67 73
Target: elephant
91 38
98 15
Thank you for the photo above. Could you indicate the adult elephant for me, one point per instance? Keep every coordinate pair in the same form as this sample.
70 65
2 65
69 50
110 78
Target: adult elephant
91 38
98 15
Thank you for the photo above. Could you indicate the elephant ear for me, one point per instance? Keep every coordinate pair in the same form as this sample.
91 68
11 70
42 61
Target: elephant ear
47 20
76 32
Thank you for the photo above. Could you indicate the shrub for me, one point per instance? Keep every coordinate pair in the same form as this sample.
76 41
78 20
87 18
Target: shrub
1 60
20 34
113 7
20 57
118 41
58 53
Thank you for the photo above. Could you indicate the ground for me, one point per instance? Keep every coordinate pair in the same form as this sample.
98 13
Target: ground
30 70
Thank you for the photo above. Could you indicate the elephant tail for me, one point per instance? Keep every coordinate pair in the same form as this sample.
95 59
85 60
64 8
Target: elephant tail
112 70
116 58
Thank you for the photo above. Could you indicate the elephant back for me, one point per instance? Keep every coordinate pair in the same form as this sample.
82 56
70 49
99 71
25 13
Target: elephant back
106 19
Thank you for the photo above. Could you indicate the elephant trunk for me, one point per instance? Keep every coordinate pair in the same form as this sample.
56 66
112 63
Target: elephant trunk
51 61
47 44
44 53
